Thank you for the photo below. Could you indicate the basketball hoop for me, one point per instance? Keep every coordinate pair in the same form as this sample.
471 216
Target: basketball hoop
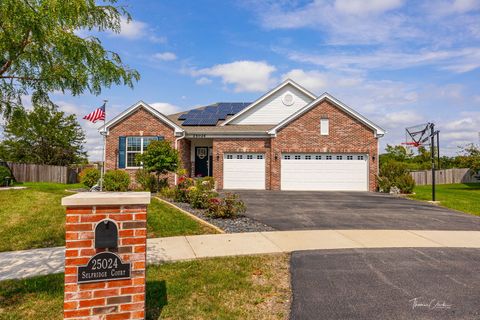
418 135
412 144
425 134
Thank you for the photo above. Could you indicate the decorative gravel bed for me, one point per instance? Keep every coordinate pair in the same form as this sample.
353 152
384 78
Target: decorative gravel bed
239 224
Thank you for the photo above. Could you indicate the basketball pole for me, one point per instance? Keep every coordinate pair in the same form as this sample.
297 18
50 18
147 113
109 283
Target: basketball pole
432 155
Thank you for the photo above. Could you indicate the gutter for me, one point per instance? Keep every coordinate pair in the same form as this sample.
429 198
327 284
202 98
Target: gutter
176 148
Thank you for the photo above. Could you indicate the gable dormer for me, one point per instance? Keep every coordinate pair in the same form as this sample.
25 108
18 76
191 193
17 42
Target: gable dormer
275 106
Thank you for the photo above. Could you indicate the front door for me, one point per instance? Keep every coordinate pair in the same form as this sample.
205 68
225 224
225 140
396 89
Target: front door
203 162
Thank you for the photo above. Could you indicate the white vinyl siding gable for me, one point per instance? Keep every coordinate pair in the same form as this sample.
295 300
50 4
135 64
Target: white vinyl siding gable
273 110
324 127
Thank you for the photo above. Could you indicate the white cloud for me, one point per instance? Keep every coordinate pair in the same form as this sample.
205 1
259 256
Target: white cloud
245 76
361 7
443 8
133 29
203 81
455 60
166 108
165 56
312 80
403 117
136 29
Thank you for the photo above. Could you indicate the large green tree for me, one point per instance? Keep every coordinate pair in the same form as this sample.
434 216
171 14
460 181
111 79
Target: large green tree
41 50
43 135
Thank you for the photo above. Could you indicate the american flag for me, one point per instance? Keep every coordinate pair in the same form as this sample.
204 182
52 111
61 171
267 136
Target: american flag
97 114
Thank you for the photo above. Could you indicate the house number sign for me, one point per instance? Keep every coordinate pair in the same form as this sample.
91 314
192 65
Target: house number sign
104 266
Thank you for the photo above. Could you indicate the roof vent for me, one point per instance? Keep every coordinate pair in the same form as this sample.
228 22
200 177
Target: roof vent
288 99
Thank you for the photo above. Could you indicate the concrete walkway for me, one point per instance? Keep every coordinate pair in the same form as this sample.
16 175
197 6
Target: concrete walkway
28 263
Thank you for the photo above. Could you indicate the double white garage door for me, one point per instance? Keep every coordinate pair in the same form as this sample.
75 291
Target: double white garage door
311 172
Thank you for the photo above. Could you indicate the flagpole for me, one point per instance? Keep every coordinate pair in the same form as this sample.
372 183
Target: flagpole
103 133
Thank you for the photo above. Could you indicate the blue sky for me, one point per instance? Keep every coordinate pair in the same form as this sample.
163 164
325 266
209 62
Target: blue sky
398 62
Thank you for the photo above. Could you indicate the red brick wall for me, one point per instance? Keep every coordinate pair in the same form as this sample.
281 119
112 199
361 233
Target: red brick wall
346 135
141 122
114 299
221 146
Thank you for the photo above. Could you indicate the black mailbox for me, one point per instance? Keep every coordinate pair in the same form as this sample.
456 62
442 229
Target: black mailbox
106 235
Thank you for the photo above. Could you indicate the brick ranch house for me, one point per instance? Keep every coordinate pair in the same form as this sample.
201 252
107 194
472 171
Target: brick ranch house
288 139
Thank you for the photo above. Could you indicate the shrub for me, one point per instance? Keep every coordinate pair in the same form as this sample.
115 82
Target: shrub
89 177
4 173
199 198
181 190
384 184
167 192
228 207
405 183
116 180
146 180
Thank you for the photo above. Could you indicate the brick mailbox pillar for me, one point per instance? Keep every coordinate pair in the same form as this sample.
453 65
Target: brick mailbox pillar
105 255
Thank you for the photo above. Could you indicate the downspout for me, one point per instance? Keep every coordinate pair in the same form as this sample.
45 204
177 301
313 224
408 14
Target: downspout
176 148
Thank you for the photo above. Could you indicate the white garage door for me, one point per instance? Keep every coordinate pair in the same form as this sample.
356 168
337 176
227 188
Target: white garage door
244 171
321 171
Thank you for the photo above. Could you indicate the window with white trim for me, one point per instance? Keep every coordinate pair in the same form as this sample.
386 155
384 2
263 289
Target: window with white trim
229 156
298 157
239 156
308 157
287 157
329 157
260 156
136 146
360 157
349 157
339 157
317 157
324 127
249 156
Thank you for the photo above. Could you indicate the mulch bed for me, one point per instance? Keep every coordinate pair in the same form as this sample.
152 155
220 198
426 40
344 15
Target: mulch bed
235 225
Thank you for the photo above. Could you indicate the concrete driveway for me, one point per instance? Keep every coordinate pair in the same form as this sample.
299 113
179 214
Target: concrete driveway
433 283
298 210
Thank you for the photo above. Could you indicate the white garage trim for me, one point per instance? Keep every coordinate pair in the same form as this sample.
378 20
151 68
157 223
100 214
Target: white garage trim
324 172
244 171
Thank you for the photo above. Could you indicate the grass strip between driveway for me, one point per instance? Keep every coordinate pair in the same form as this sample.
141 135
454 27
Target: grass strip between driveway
249 287
461 197
34 218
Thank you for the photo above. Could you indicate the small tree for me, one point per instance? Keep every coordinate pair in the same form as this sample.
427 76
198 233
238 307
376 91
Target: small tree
470 157
160 158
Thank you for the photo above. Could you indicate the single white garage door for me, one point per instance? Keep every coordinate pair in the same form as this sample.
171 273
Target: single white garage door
323 171
244 171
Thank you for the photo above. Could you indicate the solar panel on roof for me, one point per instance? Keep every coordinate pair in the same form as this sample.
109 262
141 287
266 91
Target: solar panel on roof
208 122
191 122
211 114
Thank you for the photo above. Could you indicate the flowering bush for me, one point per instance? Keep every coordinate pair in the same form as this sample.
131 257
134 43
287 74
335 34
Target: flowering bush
228 207
181 190
199 198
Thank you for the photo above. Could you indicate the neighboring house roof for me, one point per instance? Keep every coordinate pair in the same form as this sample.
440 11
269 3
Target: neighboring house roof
379 131
269 94
146 106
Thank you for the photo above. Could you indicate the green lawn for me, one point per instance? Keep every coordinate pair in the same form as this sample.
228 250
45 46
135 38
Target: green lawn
34 218
461 197
165 221
220 288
